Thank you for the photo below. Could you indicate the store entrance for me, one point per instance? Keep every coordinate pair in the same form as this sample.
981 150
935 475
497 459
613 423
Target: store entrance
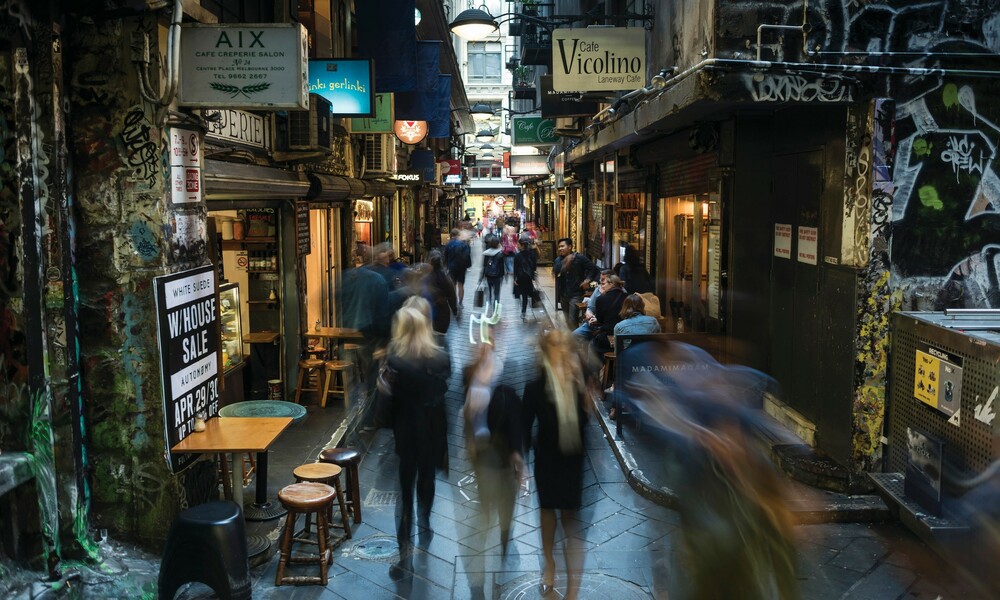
690 262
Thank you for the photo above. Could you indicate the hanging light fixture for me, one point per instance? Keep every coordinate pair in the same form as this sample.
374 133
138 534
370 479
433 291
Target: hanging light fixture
481 109
485 136
473 24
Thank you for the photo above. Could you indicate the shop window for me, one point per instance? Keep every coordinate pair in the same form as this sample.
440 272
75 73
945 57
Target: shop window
484 62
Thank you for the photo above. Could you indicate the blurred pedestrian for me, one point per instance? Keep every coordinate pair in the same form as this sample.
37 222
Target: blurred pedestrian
421 369
508 244
492 271
633 272
364 303
556 399
458 259
525 273
440 292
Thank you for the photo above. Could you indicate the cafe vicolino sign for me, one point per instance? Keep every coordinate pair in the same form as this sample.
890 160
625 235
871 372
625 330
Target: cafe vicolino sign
260 65
598 59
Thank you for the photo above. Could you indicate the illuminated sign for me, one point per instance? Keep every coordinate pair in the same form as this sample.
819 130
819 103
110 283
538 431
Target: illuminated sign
452 179
411 176
535 164
346 83
383 119
410 132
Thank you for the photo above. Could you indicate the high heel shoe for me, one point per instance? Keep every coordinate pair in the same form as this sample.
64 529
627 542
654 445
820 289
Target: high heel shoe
544 589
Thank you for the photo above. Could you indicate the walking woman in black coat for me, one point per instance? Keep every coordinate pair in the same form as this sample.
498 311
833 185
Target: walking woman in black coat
421 370
525 271
556 400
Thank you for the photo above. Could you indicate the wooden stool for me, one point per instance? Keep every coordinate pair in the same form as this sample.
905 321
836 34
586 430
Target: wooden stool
306 369
305 498
609 370
350 352
347 459
317 351
336 370
329 474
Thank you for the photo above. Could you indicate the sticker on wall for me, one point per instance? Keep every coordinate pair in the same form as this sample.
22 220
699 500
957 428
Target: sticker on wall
782 240
937 381
984 412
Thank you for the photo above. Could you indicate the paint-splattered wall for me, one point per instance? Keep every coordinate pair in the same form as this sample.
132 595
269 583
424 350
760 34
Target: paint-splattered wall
126 237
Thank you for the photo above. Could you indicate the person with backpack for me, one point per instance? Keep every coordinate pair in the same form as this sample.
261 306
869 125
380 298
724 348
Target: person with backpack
458 259
525 266
492 269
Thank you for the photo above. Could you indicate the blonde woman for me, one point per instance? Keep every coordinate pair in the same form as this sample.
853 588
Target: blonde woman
556 399
419 423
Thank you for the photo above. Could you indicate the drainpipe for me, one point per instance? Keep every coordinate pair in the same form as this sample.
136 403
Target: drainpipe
804 28
173 61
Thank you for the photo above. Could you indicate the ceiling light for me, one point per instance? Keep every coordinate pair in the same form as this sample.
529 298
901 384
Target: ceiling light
485 135
473 24
481 109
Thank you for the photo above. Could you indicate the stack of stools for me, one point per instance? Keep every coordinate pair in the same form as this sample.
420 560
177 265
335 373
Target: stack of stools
330 475
208 544
336 374
307 368
347 459
306 498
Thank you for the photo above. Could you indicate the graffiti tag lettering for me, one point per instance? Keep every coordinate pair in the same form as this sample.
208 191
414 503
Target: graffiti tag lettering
141 153
960 156
795 88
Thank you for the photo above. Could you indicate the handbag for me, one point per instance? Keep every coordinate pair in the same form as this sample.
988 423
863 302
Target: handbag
479 299
383 394
536 297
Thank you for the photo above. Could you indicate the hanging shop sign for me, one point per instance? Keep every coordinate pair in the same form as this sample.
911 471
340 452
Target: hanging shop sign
598 59
346 83
564 104
533 131
410 132
521 165
260 65
188 334
381 121
411 176
185 166
236 127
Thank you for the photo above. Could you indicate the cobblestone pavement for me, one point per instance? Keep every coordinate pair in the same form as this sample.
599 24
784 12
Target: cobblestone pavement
629 539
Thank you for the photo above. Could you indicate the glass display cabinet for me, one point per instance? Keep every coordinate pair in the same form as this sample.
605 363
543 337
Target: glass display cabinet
231 327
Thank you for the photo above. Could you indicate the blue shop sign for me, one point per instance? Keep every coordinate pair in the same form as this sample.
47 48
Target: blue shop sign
346 83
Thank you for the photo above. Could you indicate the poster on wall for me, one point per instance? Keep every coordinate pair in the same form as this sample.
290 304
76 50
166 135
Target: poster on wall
808 245
937 379
783 240
187 327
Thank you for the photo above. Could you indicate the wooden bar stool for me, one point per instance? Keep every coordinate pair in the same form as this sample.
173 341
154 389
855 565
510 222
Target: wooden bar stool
347 459
609 370
329 474
307 368
350 353
305 498
336 374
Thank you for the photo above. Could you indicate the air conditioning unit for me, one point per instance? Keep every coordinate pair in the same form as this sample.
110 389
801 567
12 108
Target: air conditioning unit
380 154
304 130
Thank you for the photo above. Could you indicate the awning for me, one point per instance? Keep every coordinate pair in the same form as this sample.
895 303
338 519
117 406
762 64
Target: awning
233 181
337 188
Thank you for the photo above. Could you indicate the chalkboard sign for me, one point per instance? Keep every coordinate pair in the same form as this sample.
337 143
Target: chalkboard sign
303 240
187 325
261 222
546 252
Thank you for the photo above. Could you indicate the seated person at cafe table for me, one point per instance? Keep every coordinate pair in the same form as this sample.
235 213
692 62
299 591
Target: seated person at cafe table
606 311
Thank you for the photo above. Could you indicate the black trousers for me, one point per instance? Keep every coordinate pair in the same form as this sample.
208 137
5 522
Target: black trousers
412 474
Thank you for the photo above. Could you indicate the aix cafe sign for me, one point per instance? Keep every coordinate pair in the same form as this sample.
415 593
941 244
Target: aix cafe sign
249 66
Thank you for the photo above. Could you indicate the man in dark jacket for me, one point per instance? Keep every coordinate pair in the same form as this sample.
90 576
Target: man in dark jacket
606 310
573 273
458 259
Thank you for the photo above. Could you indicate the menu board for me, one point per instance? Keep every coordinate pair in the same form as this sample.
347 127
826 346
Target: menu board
546 252
261 222
303 239
187 325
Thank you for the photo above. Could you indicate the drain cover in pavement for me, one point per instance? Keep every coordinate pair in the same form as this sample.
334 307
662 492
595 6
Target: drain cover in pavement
378 548
596 585
380 498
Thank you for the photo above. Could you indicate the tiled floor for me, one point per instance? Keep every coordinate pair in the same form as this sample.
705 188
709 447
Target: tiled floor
629 540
